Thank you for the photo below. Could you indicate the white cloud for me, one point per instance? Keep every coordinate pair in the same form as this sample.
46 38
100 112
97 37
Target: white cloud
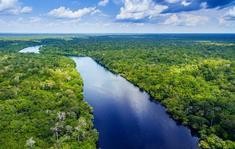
185 20
66 13
139 9
26 9
228 18
7 4
172 1
19 10
183 2
13 7
230 14
103 2
173 19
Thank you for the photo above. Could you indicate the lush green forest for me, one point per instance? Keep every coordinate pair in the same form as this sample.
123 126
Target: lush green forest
196 90
7 46
194 79
41 103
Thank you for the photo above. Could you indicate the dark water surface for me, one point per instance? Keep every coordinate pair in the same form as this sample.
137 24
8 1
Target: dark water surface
125 117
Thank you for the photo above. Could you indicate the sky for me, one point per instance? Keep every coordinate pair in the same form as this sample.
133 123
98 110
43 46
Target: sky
117 16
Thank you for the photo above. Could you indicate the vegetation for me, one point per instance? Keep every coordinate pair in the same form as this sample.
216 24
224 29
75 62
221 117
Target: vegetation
199 92
41 104
194 80
192 75
15 46
37 37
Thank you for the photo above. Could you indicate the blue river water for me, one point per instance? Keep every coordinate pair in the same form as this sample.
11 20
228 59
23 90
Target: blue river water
125 117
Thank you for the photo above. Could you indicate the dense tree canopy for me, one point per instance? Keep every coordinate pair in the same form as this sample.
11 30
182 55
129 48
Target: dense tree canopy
194 79
193 76
7 46
41 103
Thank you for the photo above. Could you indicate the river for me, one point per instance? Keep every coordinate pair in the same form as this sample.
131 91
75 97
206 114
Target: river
34 49
126 117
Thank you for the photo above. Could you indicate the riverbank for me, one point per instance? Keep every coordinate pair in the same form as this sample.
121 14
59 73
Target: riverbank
152 98
138 73
119 104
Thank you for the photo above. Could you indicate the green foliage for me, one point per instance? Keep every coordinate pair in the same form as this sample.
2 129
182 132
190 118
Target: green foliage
7 46
41 104
214 142
194 80
199 92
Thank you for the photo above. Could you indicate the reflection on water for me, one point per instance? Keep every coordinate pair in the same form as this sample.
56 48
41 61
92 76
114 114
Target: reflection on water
125 117
34 49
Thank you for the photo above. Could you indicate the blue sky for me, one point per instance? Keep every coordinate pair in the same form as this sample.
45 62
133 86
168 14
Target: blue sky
117 16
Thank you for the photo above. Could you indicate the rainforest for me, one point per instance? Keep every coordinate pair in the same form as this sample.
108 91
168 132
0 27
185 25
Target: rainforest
42 101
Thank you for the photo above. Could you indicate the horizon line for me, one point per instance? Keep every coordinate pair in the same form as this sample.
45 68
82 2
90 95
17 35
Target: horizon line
1 33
